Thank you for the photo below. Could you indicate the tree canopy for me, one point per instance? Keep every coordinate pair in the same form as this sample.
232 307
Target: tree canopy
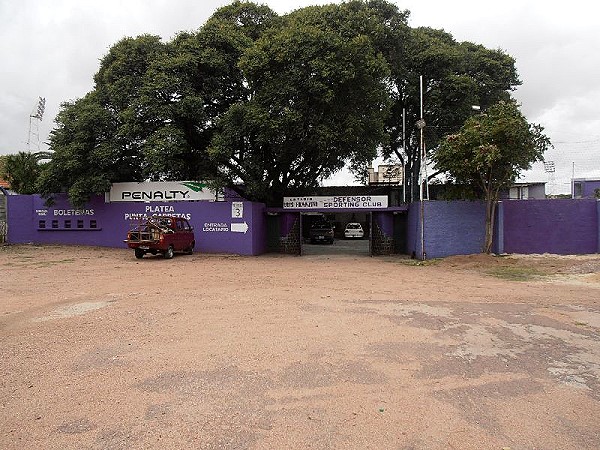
269 101
2 164
490 151
22 171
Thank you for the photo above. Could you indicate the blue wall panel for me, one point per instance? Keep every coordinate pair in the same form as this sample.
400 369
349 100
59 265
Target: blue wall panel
454 228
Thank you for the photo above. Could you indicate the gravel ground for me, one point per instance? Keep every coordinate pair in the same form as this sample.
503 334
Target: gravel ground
99 350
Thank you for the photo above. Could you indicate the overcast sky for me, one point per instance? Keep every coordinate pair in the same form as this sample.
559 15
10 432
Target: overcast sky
52 48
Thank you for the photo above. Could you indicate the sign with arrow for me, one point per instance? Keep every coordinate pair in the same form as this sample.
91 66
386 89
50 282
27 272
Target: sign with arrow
241 227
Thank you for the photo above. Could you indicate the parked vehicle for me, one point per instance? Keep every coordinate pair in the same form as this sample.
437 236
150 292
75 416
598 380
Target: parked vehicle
165 235
354 230
321 232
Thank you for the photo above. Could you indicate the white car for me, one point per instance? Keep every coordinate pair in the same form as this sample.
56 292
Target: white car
354 230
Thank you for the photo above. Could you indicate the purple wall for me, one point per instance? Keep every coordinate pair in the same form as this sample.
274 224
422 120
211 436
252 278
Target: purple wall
454 228
287 222
413 235
561 226
258 222
106 224
385 221
589 188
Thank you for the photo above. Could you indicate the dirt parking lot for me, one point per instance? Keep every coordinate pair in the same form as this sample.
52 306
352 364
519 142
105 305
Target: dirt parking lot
103 351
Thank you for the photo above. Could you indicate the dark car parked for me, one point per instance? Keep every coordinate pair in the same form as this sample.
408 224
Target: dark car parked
321 232
165 235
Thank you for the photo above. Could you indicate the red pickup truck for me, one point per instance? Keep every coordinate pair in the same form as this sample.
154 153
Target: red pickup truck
165 235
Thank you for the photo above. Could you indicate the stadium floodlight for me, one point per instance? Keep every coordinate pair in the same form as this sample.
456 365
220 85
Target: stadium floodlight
41 107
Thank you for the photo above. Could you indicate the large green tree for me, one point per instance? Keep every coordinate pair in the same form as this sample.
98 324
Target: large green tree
489 152
270 101
97 139
456 75
154 108
317 101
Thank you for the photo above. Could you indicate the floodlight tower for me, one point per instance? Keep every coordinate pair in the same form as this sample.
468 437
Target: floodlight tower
34 124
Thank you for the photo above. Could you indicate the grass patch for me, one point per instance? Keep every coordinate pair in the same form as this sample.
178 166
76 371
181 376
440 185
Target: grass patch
515 273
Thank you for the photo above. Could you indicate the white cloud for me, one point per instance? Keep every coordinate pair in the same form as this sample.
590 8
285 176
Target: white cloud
52 49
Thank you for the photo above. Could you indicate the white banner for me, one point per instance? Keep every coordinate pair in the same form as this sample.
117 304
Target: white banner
337 202
160 191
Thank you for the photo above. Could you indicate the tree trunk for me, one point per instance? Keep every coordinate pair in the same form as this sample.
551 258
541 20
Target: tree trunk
490 213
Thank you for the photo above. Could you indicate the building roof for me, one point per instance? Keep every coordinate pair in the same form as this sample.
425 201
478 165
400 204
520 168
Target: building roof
596 179
529 183
4 184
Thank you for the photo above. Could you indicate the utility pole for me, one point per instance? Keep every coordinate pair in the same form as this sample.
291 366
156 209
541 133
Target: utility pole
405 154
422 173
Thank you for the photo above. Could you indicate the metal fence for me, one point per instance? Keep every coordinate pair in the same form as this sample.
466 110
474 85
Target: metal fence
2 231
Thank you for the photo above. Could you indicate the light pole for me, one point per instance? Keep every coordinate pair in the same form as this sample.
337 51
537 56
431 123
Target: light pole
34 129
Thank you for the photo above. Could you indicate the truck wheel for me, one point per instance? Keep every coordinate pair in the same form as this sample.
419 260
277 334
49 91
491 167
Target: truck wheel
190 249
169 253
139 254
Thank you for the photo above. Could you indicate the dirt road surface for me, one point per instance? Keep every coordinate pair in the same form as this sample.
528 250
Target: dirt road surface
99 350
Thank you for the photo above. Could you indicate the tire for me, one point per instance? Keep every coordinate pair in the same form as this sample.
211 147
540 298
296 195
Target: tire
169 252
139 253
190 249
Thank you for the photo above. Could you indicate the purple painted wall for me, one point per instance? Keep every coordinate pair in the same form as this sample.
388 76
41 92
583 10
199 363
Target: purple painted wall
561 226
454 228
589 187
413 235
287 221
106 224
385 221
259 228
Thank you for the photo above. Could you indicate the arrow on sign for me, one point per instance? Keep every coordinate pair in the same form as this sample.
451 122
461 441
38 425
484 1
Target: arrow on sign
239 227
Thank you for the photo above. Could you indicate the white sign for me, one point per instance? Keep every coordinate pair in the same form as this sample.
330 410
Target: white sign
156 211
160 191
215 227
337 202
73 212
237 210
239 227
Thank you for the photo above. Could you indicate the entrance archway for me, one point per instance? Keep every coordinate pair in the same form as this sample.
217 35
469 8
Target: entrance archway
324 233
385 231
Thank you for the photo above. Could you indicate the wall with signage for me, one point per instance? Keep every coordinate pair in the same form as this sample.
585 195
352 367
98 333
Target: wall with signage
367 202
160 191
239 227
220 227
